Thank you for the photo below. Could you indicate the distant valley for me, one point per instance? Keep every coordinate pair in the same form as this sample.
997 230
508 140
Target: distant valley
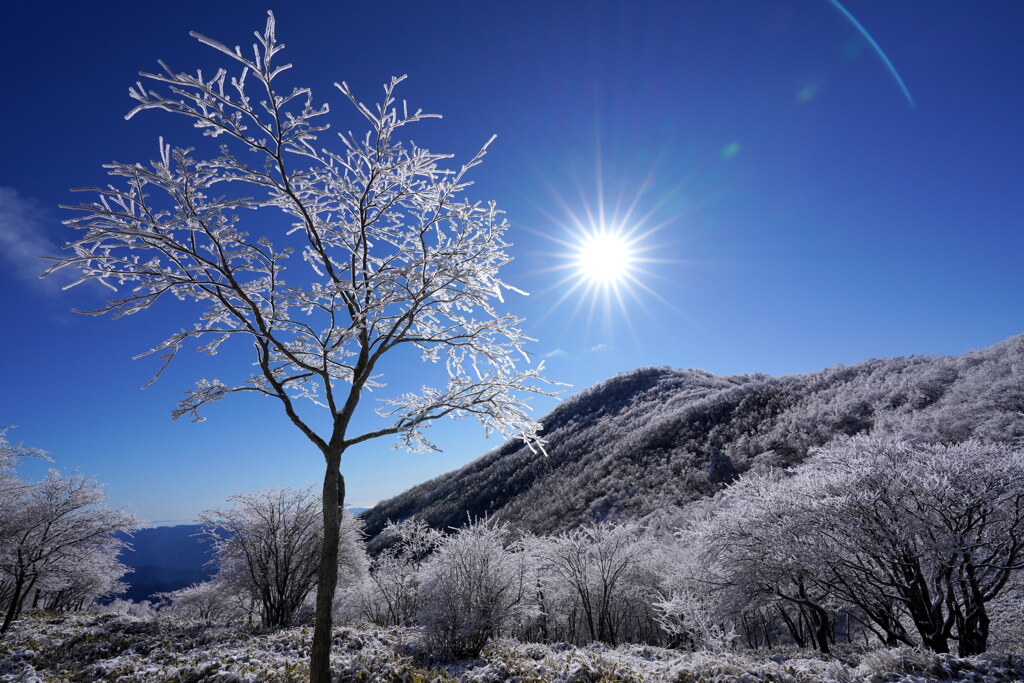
166 558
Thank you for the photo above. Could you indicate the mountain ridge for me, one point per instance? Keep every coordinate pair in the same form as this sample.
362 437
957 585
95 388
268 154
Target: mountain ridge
655 441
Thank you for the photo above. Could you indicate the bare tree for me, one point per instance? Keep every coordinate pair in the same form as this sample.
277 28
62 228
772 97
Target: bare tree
389 256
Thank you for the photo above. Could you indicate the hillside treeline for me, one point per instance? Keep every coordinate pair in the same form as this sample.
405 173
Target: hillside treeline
871 543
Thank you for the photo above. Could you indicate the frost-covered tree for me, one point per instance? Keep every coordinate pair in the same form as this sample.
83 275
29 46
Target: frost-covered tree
750 554
390 595
606 574
327 258
267 547
210 601
82 578
11 455
688 619
56 524
689 614
12 487
900 533
938 528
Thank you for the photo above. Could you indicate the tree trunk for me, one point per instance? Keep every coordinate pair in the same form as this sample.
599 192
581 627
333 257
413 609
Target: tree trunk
545 638
748 632
928 620
924 603
28 589
795 633
819 621
12 608
973 633
973 626
765 627
333 500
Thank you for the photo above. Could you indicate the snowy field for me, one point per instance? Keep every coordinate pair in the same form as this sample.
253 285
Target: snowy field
121 648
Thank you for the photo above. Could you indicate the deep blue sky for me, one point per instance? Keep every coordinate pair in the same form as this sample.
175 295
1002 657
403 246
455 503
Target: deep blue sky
809 214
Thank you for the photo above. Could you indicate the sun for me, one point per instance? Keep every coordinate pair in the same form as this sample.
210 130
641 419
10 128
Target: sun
604 257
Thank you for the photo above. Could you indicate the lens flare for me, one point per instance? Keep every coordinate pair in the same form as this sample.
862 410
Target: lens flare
877 48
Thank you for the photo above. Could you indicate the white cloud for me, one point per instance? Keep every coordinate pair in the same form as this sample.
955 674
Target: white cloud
557 353
23 238
597 348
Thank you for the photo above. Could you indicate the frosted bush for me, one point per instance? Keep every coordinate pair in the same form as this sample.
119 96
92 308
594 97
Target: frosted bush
473 589
130 608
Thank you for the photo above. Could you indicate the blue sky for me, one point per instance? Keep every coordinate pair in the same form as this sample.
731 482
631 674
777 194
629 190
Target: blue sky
797 209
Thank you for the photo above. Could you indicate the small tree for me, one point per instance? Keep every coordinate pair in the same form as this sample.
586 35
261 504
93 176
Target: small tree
389 257
267 546
751 553
392 596
608 568
688 612
210 601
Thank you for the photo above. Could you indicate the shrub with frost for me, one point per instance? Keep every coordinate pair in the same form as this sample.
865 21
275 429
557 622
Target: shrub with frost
474 587
389 594
210 601
267 548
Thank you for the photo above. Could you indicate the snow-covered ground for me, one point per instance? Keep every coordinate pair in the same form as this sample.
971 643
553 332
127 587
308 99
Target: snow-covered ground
128 649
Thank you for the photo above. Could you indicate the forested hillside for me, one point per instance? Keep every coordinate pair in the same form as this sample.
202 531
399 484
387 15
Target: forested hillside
657 439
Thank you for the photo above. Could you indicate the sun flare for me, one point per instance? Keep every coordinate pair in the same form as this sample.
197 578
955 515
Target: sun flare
607 257
604 257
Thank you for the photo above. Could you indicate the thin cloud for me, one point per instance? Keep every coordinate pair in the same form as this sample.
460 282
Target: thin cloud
557 353
597 348
169 522
23 240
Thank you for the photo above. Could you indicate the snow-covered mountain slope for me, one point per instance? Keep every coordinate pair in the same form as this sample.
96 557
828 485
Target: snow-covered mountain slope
655 440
